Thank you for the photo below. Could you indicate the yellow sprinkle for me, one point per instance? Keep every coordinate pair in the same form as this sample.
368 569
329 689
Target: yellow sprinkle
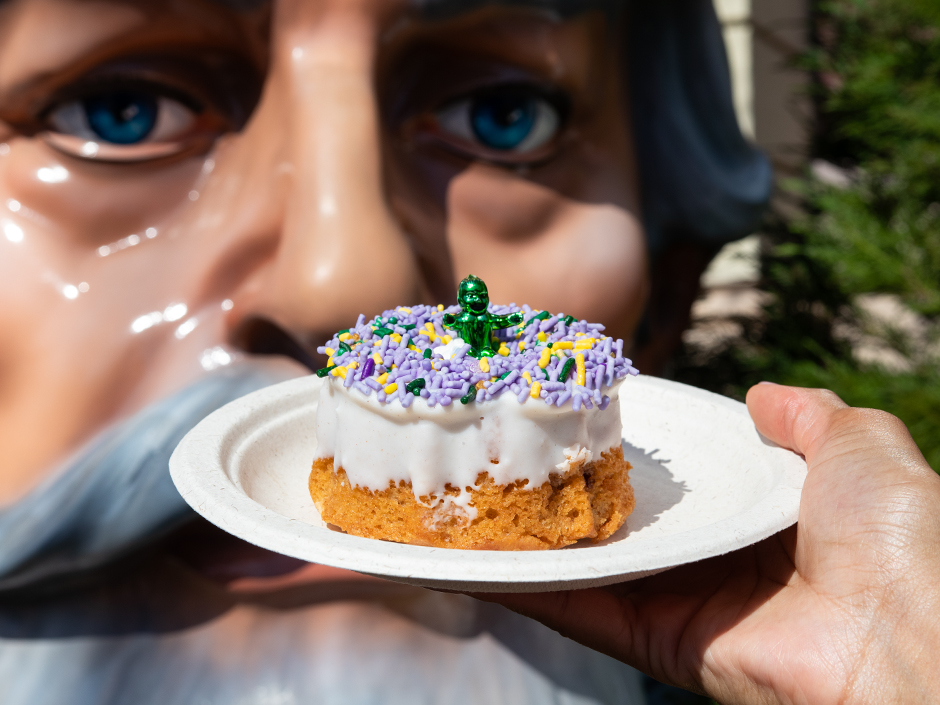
376 343
353 365
345 336
546 356
542 337
504 351
405 309
396 337
446 339
429 326
580 335
522 346
411 346
394 366
330 351
377 358
563 345
339 372
381 380
536 388
484 364
585 344
579 363
560 352
329 363
390 389
440 307
527 377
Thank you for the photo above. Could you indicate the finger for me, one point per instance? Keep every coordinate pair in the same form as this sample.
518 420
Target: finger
595 617
818 424
792 417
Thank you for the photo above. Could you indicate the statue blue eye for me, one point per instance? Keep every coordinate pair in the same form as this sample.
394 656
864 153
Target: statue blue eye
121 117
513 120
122 121
503 121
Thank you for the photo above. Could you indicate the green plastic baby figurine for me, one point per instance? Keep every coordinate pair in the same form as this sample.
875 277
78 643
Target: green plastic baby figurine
475 324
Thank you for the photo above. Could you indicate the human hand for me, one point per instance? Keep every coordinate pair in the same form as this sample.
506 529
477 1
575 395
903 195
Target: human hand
842 608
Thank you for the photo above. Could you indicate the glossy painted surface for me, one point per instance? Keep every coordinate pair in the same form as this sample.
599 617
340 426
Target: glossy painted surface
300 164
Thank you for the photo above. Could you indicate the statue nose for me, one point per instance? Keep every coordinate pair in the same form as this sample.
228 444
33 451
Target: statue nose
341 250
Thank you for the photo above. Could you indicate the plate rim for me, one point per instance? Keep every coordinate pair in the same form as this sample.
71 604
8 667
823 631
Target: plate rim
214 495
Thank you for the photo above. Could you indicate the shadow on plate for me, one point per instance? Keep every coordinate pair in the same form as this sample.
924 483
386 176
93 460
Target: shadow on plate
655 488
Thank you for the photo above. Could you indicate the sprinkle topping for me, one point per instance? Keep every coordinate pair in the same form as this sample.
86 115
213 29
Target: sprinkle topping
409 352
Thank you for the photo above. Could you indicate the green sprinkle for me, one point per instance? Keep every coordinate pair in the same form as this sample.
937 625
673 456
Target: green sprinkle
566 370
569 320
543 316
550 345
469 396
504 375
340 332
416 386
392 321
324 371
383 331
408 326
343 348
427 353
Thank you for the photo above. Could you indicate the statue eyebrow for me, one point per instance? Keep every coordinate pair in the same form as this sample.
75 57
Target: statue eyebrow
242 5
437 9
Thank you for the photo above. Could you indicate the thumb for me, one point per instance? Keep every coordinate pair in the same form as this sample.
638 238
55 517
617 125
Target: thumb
817 424
795 418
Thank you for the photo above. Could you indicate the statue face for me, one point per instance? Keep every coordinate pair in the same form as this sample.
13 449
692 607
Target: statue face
171 171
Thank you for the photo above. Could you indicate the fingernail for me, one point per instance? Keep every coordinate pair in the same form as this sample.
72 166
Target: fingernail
772 384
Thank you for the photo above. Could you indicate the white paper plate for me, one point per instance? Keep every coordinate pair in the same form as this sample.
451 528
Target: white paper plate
706 483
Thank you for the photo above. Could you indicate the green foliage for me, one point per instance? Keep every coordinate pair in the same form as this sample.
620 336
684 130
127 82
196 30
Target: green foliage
878 99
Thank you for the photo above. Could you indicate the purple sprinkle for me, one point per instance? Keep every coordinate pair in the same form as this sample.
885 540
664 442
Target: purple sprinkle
604 402
565 396
523 396
548 324
575 402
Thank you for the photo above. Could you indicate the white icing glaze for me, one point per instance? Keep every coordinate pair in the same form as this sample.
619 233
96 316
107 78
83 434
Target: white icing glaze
575 455
432 447
448 351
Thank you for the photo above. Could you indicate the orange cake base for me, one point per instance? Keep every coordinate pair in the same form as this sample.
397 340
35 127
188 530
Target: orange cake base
589 501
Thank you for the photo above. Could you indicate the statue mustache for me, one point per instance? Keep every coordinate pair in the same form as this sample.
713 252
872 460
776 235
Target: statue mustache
114 497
